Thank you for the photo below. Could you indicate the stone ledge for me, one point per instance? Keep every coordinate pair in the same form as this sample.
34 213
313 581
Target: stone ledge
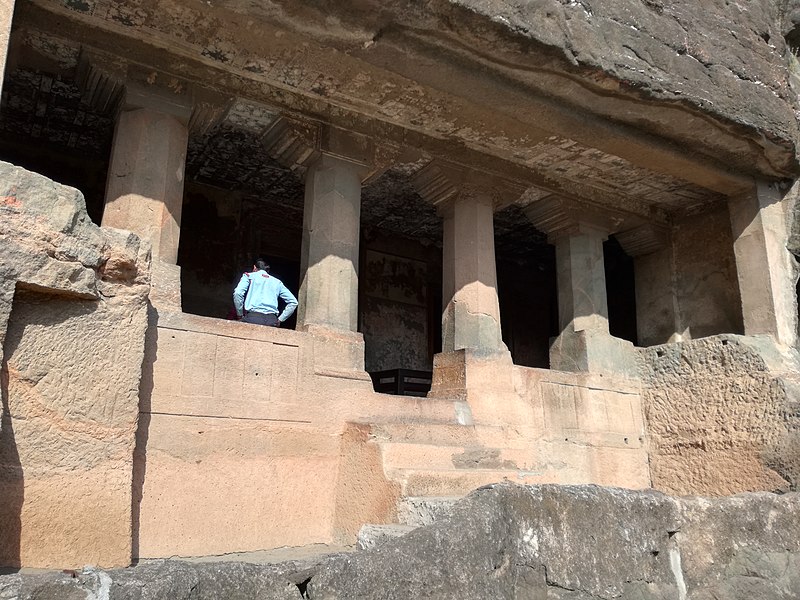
236 329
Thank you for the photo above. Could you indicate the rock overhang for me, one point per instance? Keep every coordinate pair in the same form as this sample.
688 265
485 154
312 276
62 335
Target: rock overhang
513 83
721 69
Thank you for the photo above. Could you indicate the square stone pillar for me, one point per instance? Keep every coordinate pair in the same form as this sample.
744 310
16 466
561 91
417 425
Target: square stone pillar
765 268
585 343
331 230
578 233
471 310
144 190
581 280
658 317
328 296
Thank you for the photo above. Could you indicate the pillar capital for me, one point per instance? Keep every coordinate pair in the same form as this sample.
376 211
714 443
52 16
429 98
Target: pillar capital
442 183
209 109
297 143
644 239
111 85
558 217
101 79
293 142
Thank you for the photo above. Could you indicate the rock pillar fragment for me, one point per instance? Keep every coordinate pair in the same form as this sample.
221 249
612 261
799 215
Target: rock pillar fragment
764 266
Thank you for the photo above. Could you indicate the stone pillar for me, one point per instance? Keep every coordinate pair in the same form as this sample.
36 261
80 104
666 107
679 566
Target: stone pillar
474 367
764 266
144 193
581 280
328 296
471 311
144 190
584 343
658 318
329 260
336 162
6 16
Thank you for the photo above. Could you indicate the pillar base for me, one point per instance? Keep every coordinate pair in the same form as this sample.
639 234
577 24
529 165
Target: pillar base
593 352
485 382
338 353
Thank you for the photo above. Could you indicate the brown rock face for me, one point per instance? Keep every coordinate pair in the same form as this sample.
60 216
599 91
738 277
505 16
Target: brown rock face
73 315
705 54
718 415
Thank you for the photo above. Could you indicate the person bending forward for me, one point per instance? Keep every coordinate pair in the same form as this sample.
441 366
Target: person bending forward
256 297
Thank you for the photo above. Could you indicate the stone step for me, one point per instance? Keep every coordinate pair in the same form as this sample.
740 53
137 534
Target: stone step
454 482
370 536
418 511
445 434
411 455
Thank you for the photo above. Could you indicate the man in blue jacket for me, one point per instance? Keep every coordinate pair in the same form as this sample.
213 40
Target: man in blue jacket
256 297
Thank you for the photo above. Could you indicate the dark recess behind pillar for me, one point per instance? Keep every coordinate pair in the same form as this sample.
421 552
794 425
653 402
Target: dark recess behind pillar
620 290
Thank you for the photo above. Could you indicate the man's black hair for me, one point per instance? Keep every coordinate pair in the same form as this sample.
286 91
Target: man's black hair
261 264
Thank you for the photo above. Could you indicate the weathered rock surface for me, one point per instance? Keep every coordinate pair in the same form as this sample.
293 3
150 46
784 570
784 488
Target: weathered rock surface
160 580
720 60
370 536
73 313
724 58
717 408
566 543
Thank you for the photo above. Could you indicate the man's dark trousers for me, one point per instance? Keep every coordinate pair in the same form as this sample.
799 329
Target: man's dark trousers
261 319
